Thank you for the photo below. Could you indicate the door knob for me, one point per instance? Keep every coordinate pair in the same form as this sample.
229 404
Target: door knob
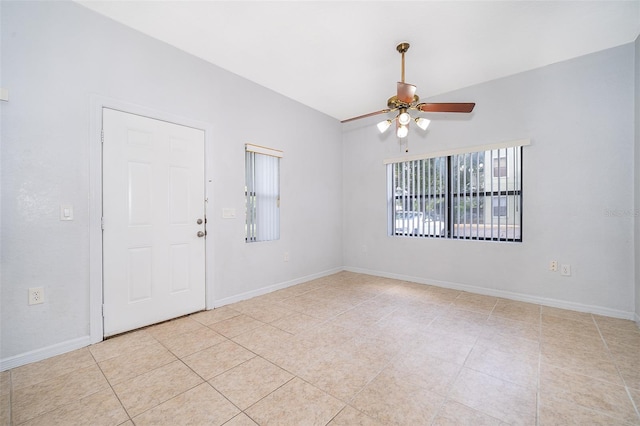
201 234
199 221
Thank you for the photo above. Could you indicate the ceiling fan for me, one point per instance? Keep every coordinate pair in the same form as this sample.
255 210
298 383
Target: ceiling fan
406 100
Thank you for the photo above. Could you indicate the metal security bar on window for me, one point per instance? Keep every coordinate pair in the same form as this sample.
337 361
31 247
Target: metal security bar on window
476 195
262 193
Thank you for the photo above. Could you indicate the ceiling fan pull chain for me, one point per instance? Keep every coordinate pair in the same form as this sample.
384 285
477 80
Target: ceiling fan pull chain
404 144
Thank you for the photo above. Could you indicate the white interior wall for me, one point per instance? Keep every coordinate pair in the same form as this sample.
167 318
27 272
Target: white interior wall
577 187
57 57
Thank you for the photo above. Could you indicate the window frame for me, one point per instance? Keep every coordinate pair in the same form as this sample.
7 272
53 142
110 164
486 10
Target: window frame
482 195
263 193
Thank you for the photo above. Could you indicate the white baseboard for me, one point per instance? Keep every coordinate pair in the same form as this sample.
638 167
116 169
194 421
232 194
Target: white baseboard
44 353
598 310
264 290
638 319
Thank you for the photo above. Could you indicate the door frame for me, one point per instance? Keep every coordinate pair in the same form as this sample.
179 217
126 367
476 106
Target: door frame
95 200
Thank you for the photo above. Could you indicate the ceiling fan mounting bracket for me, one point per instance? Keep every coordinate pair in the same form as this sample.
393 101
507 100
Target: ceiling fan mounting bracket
403 47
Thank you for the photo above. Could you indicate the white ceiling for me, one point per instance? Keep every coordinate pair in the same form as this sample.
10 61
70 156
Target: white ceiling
339 57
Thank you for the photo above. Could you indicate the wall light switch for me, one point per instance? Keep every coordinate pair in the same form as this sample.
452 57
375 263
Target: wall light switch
228 213
66 212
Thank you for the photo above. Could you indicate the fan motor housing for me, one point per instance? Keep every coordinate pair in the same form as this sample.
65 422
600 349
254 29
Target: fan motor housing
395 103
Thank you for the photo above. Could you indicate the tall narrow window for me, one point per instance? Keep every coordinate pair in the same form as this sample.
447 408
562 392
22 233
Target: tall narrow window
474 195
262 193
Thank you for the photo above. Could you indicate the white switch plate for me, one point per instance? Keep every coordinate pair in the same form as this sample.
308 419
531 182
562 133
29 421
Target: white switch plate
66 212
565 270
228 213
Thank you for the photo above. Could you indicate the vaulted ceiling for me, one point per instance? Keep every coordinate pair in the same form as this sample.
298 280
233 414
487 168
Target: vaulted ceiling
339 57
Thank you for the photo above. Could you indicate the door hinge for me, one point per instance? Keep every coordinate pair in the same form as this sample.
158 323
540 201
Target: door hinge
102 223
102 136
103 311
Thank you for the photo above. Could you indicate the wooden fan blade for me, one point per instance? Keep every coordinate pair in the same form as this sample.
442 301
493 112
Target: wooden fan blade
371 114
446 107
406 92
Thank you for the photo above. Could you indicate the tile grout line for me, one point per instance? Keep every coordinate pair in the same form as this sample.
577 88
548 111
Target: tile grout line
111 386
337 414
153 369
593 409
12 421
204 381
615 363
346 403
294 376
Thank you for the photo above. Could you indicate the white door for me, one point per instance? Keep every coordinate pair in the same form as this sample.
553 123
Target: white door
153 220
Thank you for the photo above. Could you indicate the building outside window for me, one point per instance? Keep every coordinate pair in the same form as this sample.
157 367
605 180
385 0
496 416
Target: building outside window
500 167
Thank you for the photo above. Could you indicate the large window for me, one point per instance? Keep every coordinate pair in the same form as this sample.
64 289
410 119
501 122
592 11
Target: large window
475 195
262 193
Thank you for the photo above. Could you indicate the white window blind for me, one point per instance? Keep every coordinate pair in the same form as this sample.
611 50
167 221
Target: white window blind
471 195
486 195
262 193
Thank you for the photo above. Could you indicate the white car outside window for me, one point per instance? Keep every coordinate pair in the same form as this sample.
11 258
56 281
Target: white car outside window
415 223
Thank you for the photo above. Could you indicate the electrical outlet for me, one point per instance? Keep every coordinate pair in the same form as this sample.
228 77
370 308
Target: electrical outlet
286 256
553 266
36 295
565 270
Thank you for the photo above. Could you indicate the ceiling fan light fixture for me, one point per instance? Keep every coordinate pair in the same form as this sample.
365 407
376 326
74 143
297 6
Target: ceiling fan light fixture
403 131
404 118
384 125
423 123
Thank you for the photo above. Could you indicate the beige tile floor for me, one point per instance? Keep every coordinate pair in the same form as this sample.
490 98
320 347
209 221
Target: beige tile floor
348 349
